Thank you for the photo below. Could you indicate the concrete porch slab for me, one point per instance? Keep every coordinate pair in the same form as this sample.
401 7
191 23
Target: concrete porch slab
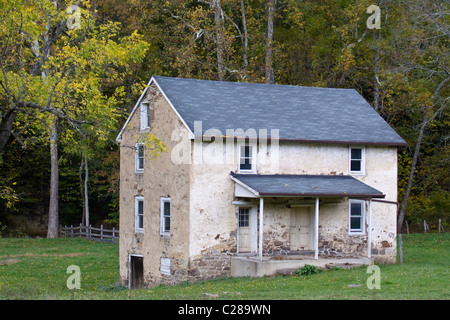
251 266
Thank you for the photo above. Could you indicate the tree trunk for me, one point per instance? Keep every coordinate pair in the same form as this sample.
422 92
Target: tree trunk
6 125
402 211
269 41
86 197
219 38
53 210
245 42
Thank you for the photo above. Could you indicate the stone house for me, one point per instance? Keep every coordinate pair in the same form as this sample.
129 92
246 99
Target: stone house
254 173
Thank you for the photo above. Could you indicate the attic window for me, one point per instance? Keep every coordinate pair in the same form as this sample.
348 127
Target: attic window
145 115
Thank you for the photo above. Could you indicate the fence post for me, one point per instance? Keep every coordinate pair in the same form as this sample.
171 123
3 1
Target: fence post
101 233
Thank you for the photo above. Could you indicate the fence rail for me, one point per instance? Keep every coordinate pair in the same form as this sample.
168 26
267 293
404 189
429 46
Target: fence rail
97 234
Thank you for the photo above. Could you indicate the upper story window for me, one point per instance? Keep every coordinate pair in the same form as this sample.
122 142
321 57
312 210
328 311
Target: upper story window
247 155
139 214
357 160
140 158
165 216
145 115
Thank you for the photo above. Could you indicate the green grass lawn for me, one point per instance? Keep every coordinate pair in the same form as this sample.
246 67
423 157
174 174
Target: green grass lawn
36 269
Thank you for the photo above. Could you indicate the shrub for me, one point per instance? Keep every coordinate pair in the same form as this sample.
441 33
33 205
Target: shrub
306 270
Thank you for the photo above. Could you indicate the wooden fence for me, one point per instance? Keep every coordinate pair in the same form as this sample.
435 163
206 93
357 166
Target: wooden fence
97 234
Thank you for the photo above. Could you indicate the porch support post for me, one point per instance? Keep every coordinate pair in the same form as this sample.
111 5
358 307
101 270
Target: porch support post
261 215
316 233
369 230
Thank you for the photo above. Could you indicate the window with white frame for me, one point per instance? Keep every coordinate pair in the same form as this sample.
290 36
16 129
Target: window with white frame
165 216
145 115
356 216
139 214
140 157
247 155
357 160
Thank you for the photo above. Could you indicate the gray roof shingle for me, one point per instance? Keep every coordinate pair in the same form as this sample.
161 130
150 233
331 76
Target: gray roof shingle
306 114
307 185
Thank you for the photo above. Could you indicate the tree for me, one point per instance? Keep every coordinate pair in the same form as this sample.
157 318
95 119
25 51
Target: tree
49 75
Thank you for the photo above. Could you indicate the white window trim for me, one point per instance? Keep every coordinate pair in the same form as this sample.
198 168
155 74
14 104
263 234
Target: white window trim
136 214
144 110
136 159
363 161
253 157
363 217
162 221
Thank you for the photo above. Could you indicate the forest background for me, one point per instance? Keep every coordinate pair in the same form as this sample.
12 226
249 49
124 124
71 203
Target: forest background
71 72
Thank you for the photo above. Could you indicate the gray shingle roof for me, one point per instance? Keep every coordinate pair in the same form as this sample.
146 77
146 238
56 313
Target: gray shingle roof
299 113
307 185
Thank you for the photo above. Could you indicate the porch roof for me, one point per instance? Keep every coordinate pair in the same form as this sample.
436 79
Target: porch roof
305 186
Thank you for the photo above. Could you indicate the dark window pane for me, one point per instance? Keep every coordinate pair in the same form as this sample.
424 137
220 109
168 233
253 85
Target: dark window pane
166 224
140 207
355 165
356 154
355 224
167 208
141 221
245 164
356 209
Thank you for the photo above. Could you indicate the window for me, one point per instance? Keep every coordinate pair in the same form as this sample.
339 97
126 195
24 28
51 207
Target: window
139 214
244 217
140 157
356 216
145 115
165 216
247 158
357 161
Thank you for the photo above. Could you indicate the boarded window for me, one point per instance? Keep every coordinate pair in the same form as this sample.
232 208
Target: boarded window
165 266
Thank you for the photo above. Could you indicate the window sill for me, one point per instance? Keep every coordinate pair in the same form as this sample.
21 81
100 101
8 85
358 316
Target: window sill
357 173
356 234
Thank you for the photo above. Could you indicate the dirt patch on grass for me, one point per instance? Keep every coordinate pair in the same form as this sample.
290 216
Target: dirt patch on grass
8 262
46 255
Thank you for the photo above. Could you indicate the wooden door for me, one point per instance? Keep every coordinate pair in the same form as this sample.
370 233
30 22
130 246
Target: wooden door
247 229
300 228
